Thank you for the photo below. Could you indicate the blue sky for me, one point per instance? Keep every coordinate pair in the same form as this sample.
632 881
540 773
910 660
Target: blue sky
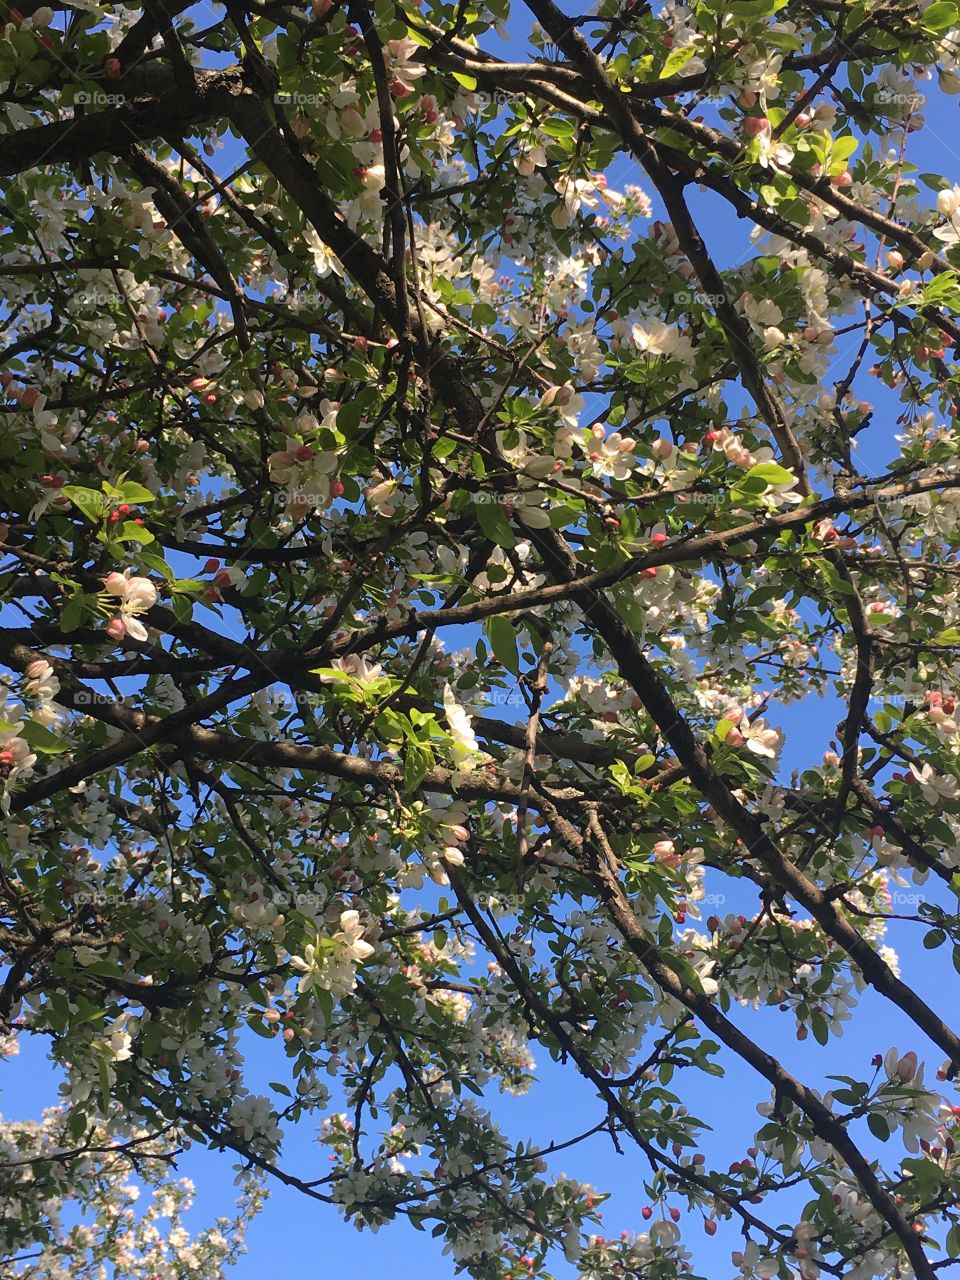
296 1233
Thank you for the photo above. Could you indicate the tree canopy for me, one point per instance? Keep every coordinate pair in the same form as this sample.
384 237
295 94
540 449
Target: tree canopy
438 461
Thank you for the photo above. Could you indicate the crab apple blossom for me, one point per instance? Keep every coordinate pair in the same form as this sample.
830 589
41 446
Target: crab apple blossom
135 1207
580 683
135 595
754 126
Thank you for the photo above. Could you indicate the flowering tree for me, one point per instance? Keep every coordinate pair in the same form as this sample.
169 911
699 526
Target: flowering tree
413 528
44 1173
102 1178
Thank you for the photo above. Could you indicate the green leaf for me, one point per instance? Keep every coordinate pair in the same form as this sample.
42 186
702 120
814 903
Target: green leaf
748 487
558 127
424 41
848 1097
130 531
753 10
722 729
770 473
939 16
469 82
153 560
349 415
843 148
878 1126
416 761
677 60
42 740
444 447
503 642
130 491
72 614
87 501
494 523
182 606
